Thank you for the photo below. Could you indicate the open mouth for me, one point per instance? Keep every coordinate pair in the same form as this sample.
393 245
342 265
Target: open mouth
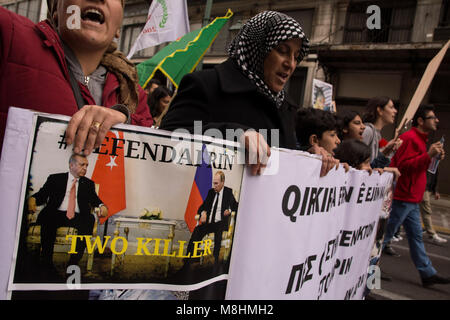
283 76
93 14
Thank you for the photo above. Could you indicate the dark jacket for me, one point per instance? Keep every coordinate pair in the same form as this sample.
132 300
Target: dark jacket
34 73
53 191
228 202
223 98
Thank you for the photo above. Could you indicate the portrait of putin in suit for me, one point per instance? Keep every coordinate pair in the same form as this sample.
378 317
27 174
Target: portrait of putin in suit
214 214
68 198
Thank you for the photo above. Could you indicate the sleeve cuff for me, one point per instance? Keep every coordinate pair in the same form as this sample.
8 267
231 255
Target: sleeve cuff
122 108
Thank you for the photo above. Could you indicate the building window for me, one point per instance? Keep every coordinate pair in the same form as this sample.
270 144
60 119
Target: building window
396 18
304 17
30 9
444 20
295 88
442 32
128 37
439 93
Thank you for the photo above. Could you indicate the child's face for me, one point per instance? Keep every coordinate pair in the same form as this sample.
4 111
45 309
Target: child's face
365 165
356 128
329 141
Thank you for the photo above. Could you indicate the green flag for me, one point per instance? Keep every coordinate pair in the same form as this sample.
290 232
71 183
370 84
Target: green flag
183 55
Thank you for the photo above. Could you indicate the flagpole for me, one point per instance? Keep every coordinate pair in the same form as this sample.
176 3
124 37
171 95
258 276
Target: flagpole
207 12
206 17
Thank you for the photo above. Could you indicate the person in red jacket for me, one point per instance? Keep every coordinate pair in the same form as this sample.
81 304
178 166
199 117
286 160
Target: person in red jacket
413 159
70 65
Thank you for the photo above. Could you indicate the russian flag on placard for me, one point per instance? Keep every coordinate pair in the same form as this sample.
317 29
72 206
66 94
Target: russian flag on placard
200 187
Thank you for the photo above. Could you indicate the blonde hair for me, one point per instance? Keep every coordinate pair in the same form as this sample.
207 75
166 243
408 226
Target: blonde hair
221 175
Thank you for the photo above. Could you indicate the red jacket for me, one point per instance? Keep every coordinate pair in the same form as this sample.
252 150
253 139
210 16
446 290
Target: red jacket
412 160
34 73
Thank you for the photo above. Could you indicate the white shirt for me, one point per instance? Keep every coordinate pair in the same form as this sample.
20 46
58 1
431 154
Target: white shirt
65 203
219 206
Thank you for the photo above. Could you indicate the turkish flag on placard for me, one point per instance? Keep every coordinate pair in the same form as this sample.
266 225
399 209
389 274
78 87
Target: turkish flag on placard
109 174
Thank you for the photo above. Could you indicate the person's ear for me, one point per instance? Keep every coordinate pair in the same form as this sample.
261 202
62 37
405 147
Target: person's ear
420 121
379 111
345 131
117 35
313 140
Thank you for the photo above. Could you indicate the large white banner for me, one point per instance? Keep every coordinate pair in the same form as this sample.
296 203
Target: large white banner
166 21
299 236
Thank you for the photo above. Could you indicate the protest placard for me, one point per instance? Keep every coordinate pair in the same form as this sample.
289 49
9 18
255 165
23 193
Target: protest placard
322 96
422 88
153 186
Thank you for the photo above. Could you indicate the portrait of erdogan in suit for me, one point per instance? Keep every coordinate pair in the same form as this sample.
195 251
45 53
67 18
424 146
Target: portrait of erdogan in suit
68 198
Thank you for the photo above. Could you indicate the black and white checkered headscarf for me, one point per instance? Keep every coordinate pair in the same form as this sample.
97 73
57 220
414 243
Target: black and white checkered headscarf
257 38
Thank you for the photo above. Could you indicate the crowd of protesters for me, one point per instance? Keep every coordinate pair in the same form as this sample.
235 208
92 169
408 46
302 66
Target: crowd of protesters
97 86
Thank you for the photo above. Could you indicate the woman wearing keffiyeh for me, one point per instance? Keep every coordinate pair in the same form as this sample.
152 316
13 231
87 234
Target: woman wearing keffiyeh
247 90
257 39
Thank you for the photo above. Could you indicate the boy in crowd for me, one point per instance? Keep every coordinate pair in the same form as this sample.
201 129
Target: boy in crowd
315 127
